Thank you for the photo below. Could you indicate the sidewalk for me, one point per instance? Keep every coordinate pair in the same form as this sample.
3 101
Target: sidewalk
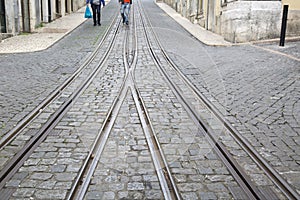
45 36
54 31
207 37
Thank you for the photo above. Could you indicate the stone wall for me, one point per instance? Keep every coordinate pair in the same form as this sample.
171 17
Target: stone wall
293 23
244 21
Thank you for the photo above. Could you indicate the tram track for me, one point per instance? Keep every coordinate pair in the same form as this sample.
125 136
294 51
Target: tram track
163 172
8 137
167 183
83 179
129 86
242 178
19 158
168 186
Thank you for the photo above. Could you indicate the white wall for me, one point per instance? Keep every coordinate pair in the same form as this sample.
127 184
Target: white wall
11 14
244 21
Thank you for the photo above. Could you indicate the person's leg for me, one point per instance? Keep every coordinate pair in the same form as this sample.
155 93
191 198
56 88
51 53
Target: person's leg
122 12
123 18
94 14
126 12
99 14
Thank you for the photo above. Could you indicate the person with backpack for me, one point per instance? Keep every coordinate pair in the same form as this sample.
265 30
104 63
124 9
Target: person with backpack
125 8
96 9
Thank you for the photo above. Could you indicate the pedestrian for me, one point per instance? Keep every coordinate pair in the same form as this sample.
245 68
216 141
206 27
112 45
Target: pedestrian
125 9
96 9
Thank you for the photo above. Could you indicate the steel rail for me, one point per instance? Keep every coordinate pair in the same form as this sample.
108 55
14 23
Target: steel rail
217 146
166 181
33 114
82 181
242 178
276 178
256 157
16 162
87 171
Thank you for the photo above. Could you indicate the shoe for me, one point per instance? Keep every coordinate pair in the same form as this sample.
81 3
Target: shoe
99 24
95 24
126 23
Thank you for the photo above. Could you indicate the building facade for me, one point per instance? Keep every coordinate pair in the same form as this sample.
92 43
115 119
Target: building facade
241 20
24 16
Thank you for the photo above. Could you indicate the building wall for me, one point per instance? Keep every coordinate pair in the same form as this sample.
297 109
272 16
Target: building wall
293 4
69 6
240 20
11 13
33 15
243 21
293 21
27 15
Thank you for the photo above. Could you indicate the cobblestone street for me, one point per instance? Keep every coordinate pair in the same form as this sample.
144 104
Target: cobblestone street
255 87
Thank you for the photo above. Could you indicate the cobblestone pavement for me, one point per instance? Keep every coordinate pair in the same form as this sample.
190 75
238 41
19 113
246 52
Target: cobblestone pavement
50 170
125 169
27 78
257 90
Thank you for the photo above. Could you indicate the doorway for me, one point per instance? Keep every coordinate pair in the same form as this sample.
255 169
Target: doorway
2 17
25 16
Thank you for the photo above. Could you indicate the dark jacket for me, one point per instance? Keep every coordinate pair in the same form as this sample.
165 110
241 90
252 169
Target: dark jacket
91 2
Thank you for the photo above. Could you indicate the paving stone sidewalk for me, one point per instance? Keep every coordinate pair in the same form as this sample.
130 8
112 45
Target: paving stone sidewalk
45 36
